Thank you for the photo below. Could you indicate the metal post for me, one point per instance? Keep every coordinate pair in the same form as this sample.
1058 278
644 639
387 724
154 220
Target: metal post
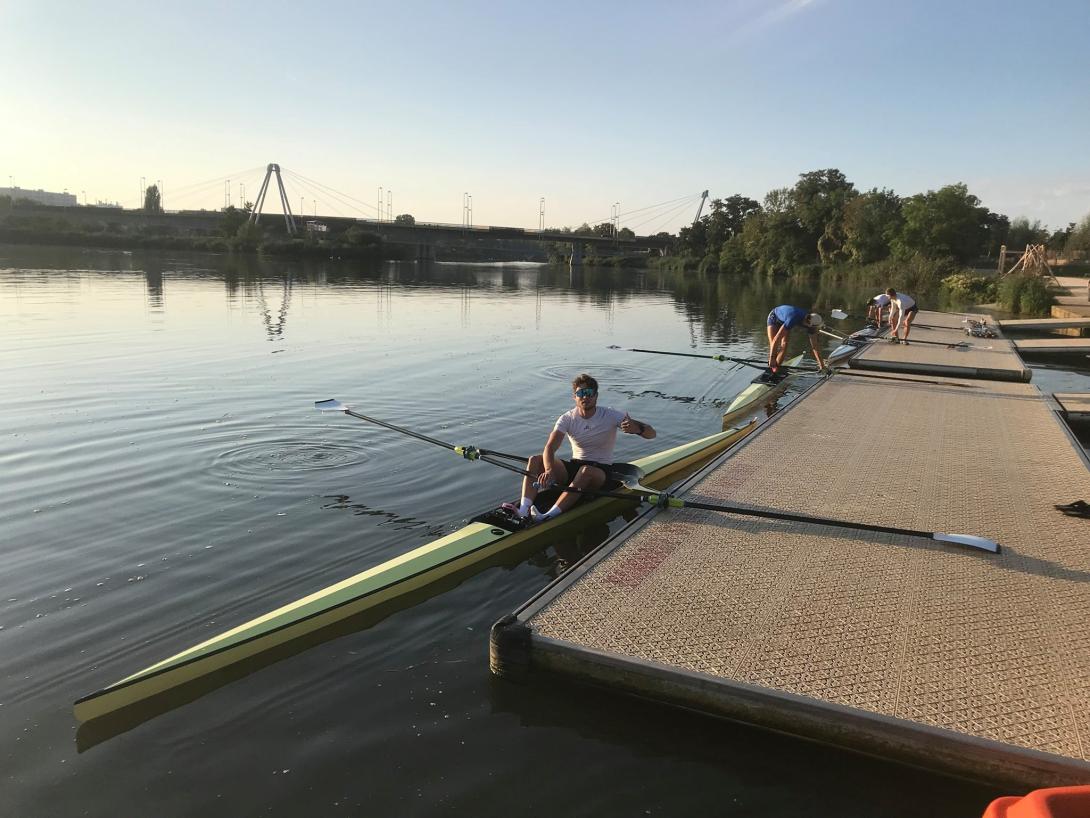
541 215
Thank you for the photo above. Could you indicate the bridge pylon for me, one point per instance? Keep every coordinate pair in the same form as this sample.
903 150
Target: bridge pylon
255 215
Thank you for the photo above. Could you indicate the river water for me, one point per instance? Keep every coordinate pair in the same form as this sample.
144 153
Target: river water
165 477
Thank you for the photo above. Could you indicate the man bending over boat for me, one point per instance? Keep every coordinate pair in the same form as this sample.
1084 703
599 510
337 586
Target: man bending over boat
875 307
780 323
904 307
592 430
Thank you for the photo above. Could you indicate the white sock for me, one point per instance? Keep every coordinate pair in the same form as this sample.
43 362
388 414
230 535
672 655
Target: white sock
524 506
548 515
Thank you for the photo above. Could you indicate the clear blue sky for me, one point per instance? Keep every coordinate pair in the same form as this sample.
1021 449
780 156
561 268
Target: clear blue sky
584 104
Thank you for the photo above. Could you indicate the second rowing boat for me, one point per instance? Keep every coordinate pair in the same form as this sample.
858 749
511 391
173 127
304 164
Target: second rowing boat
764 389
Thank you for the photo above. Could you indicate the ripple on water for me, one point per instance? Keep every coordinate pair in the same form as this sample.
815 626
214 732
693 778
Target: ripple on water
284 459
605 374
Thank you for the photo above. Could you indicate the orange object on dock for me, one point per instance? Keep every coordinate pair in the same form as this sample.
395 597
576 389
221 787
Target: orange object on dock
1054 802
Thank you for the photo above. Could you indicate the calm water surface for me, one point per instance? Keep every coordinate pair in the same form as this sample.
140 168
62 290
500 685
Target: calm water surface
165 477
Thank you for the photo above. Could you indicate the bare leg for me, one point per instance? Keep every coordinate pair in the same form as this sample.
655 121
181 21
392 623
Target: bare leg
908 323
587 478
536 465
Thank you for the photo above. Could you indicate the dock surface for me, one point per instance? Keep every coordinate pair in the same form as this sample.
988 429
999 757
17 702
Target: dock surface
961 661
1074 405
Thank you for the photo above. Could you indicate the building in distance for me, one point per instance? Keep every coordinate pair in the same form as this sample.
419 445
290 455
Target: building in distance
44 197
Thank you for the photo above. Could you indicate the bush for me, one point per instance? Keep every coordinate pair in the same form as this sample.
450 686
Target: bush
963 288
1025 295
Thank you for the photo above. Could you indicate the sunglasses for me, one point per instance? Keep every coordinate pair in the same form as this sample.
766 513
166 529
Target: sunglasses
586 392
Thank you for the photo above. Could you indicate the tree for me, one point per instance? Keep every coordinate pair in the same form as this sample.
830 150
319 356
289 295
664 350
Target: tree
625 233
1079 240
693 240
1022 233
947 222
233 219
404 218
819 199
726 219
605 229
775 242
152 200
871 221
996 228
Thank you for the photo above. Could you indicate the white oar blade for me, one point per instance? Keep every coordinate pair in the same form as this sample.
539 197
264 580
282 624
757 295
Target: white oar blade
969 540
838 314
331 405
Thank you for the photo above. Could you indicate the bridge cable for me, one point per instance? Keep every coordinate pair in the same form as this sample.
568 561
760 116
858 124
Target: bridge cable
332 190
660 219
319 194
325 195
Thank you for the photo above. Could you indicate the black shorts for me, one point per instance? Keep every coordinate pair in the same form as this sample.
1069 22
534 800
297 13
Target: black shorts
573 466
912 310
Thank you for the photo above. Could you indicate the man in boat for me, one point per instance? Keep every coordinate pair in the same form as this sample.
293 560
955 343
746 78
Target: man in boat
875 307
904 307
592 430
780 323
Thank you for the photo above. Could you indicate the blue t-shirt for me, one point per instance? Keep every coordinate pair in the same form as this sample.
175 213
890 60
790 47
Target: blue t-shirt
789 316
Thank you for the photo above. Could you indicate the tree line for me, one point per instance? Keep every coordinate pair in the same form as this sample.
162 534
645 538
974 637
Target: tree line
823 220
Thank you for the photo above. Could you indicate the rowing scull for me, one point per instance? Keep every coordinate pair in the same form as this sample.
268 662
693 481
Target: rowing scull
764 389
484 537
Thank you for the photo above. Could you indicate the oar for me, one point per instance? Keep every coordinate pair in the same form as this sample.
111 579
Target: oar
468 452
840 315
968 540
628 474
756 363
888 339
855 374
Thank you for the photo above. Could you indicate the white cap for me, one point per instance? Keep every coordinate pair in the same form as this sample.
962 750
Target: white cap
814 320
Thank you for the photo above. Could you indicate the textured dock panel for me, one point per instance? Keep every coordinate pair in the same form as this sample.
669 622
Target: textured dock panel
973 663
984 358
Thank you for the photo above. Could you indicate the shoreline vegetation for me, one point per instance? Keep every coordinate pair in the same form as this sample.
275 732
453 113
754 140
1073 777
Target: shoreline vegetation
942 245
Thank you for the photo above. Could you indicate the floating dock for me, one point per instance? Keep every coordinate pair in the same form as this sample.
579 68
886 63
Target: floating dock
1074 405
969 663
1043 324
1040 346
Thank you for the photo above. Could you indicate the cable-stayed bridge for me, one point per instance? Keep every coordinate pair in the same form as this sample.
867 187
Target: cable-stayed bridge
379 218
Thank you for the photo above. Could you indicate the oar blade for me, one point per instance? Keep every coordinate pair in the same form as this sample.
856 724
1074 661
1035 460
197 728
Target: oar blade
331 405
629 476
838 314
981 543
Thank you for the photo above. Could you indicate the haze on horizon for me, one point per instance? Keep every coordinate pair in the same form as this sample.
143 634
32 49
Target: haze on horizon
589 106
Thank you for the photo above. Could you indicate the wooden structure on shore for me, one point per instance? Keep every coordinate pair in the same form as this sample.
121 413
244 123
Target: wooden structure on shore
1033 261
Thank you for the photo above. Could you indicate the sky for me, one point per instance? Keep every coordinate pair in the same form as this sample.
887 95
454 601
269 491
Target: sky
593 107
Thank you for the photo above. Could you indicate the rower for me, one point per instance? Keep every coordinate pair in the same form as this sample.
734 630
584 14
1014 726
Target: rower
780 323
592 430
904 307
875 307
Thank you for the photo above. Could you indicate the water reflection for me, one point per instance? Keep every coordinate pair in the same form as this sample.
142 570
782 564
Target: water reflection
718 310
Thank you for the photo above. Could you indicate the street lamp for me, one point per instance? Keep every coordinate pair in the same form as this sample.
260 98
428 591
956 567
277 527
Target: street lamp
541 214
380 202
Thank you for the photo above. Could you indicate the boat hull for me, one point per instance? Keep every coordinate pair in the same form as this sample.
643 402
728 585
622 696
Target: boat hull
476 542
759 393
854 342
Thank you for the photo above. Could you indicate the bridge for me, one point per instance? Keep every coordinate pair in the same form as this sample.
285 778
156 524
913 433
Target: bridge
423 236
